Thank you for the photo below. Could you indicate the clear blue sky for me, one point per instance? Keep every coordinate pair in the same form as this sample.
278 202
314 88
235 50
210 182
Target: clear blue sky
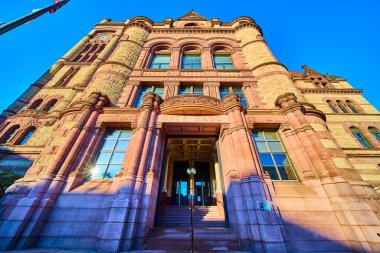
341 37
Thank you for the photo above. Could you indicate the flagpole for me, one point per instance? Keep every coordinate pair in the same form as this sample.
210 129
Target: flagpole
12 25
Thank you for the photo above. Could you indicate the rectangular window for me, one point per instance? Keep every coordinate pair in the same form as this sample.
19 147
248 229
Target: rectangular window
225 90
273 156
196 90
223 62
160 62
111 153
191 62
159 90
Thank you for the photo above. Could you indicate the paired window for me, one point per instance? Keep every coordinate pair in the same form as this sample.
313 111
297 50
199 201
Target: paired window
111 153
36 104
66 78
160 62
361 138
50 105
223 62
332 106
273 157
225 90
191 89
13 131
89 52
10 133
159 90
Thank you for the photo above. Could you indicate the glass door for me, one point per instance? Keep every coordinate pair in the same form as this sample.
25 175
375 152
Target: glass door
180 197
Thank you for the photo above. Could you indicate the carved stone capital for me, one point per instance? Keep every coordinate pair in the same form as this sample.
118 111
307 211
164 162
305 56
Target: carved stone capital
212 84
172 83
286 100
232 102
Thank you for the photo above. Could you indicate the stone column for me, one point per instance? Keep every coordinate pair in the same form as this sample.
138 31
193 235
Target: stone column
206 58
212 89
129 94
174 58
171 88
248 91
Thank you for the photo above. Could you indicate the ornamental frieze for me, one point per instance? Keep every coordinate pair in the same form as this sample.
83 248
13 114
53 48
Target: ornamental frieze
192 104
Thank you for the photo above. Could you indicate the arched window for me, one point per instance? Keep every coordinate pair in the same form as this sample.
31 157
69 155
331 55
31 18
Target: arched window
352 107
222 58
27 135
161 58
10 133
332 106
342 107
65 79
50 105
361 138
191 58
36 104
375 133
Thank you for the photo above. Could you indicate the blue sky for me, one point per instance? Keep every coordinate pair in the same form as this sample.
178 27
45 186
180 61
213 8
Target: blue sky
341 37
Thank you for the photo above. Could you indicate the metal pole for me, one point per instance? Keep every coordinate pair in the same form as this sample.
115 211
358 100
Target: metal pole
12 25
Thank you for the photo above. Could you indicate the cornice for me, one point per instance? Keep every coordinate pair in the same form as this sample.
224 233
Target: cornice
114 110
193 30
111 24
251 112
334 91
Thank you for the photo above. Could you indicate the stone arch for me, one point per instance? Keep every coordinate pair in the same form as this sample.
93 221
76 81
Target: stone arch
9 133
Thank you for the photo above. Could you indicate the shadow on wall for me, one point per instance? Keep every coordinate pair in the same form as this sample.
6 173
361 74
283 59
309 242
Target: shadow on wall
12 167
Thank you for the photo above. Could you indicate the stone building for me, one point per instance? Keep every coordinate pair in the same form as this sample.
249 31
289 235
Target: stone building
189 134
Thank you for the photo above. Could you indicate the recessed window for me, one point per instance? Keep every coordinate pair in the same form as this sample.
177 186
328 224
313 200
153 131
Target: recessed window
36 104
225 90
111 154
27 136
332 106
160 62
375 133
223 62
361 138
342 107
10 133
50 105
191 89
191 62
352 107
273 157
159 90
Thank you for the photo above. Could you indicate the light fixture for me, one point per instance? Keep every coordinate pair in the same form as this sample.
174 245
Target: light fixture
191 170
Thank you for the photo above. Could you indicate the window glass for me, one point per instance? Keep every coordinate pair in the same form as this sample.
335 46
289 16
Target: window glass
361 138
375 133
26 137
111 153
238 91
36 104
223 62
50 105
159 91
224 91
191 62
342 107
273 156
198 90
184 90
160 62
143 90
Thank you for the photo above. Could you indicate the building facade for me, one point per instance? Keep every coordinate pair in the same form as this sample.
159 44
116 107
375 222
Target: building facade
142 119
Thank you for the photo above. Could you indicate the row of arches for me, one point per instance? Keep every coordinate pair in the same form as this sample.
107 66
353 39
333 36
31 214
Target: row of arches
16 136
339 106
361 138
39 104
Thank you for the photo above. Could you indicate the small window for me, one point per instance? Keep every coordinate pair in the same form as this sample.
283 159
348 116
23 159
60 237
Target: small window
361 138
375 133
352 107
50 105
225 90
191 62
159 90
342 107
111 154
191 89
36 104
332 106
10 133
223 62
273 157
160 62
27 136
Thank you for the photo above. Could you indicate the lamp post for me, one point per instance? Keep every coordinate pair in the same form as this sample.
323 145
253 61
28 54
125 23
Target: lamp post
191 171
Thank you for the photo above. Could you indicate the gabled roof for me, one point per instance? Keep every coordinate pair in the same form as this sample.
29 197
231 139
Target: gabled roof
192 16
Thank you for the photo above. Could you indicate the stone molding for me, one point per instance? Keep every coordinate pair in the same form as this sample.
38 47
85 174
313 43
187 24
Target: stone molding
337 91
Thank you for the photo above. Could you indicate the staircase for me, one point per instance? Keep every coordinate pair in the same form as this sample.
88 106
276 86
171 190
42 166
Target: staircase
175 234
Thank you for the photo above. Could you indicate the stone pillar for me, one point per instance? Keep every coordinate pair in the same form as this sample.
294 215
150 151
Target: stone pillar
207 58
125 209
248 92
129 94
245 187
174 59
212 89
30 213
171 88
345 202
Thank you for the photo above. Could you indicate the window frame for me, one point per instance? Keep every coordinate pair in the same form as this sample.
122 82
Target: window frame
191 90
375 133
215 55
272 154
26 136
232 89
155 55
188 54
360 137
